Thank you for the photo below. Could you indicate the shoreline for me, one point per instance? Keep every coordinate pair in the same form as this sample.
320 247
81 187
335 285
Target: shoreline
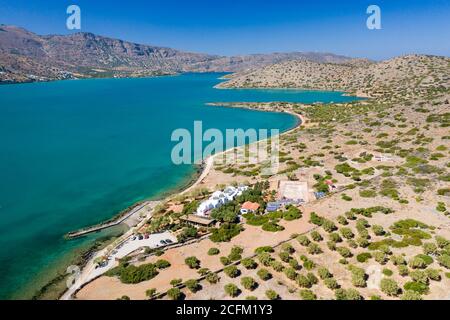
202 172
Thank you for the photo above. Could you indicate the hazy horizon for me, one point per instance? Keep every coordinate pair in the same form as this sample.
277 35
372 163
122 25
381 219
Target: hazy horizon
251 27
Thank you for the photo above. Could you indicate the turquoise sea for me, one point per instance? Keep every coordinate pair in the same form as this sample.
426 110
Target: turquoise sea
74 153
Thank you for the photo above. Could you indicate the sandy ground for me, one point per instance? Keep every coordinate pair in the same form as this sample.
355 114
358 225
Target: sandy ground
249 240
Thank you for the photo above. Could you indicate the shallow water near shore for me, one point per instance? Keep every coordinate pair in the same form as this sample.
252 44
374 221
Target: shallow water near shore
75 153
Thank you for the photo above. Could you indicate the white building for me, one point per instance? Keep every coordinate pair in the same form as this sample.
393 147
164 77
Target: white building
219 198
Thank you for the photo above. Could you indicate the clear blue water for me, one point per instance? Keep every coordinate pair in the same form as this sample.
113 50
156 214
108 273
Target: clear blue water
74 153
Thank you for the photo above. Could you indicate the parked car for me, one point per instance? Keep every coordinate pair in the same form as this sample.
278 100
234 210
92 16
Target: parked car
141 237
163 242
169 241
146 236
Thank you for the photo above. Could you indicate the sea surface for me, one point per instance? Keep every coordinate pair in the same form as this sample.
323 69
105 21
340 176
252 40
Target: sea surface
74 153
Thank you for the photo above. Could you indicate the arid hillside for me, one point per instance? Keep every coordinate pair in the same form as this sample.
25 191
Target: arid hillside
405 76
26 56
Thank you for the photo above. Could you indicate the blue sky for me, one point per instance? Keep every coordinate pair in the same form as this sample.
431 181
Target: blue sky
230 27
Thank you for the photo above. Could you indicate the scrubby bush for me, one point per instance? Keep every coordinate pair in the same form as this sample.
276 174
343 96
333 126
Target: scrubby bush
272 295
313 248
347 233
225 261
303 281
418 287
417 263
378 230
419 276
380 257
284 256
342 220
213 251
444 260
231 290
235 253
212 277
162 264
303 240
287 247
328 226
353 294
290 273
363 257
264 274
411 295
277 265
398 260
265 249
331 283
249 263
403 270
174 293
324 273
433 274
389 287
344 252
331 245
316 236
387 272
192 262
307 295
192 285
249 283
232 271
359 276
429 248
335 237
294 264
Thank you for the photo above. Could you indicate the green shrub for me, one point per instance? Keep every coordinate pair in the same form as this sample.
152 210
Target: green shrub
249 283
232 271
192 285
192 262
267 249
249 263
174 293
303 240
213 251
418 287
316 236
212 278
387 272
225 232
331 283
231 290
324 273
313 248
303 281
162 264
389 287
411 295
264 274
403 270
344 252
272 295
134 274
307 295
363 257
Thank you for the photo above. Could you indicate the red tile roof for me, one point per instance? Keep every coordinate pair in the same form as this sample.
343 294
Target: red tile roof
253 206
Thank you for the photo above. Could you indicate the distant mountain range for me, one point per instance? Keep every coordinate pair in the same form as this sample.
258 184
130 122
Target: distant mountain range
26 56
